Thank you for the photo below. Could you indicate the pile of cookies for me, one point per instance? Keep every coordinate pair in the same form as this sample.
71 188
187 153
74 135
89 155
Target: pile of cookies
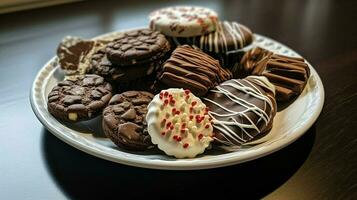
185 83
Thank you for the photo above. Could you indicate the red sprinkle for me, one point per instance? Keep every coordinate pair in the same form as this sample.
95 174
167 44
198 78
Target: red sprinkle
175 137
183 125
187 91
161 93
193 103
168 124
171 127
166 93
170 95
160 97
207 126
191 109
178 139
172 101
166 101
173 110
185 145
177 112
200 136
191 117
163 133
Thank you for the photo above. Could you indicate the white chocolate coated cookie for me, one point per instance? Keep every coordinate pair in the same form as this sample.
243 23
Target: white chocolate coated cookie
184 21
179 124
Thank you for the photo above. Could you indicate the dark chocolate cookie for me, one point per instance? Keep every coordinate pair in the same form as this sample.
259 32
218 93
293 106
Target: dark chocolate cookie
288 74
124 120
229 36
241 109
79 97
192 69
102 66
137 46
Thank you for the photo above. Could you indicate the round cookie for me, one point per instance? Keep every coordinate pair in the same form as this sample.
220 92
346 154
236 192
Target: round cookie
192 69
124 120
137 47
183 21
179 124
241 109
229 36
79 97
102 66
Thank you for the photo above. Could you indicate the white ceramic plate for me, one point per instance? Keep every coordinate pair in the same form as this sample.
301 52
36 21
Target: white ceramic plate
289 124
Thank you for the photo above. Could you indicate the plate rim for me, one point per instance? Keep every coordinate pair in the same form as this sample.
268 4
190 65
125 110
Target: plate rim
178 164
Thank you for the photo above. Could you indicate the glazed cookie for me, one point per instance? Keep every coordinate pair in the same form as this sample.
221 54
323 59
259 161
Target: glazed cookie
288 74
241 109
124 120
179 124
74 54
137 47
192 69
102 66
80 97
183 21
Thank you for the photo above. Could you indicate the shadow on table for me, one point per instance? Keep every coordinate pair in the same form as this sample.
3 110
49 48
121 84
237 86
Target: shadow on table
82 176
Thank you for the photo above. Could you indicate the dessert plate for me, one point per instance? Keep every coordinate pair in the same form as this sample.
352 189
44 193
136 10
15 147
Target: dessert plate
289 124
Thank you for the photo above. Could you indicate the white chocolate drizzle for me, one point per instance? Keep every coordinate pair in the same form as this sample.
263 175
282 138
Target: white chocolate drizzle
232 138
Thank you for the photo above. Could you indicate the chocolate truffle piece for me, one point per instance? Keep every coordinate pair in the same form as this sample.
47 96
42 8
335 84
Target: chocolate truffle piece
288 74
241 109
78 98
192 69
124 120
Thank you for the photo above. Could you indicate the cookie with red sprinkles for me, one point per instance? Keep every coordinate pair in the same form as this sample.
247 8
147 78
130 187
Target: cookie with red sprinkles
178 122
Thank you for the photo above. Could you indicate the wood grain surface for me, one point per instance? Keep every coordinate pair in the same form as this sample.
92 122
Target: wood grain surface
322 164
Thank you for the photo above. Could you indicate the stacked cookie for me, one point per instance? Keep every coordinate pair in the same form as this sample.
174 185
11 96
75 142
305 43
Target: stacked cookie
171 86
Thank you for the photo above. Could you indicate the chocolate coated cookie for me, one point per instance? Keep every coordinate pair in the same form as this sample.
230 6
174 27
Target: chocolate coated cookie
192 69
288 74
124 120
79 97
137 46
241 109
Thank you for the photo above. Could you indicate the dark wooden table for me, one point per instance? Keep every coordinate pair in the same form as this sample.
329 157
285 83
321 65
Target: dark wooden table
322 164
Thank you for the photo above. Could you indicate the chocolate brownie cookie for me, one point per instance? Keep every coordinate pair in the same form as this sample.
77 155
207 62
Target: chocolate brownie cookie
124 120
79 97
137 47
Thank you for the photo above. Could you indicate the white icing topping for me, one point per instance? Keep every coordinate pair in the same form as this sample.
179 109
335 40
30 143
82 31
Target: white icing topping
178 122
183 21
232 138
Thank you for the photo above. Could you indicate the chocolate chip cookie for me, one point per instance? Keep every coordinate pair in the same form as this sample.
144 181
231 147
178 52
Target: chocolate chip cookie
79 97
124 120
137 46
